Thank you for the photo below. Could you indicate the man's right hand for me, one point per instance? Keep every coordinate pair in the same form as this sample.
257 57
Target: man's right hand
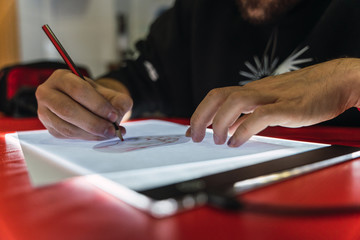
70 107
300 98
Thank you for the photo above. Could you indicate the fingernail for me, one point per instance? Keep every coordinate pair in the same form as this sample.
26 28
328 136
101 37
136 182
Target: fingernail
122 130
112 116
216 139
109 132
188 132
231 142
195 137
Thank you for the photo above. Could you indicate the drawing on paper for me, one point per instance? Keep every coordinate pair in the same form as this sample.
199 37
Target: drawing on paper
138 143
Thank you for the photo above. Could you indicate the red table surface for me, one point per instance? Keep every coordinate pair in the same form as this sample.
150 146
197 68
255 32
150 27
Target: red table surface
75 209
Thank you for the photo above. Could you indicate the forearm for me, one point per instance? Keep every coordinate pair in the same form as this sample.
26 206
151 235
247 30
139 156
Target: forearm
352 75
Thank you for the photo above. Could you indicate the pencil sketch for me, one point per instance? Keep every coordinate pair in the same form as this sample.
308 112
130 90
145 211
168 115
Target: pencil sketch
138 143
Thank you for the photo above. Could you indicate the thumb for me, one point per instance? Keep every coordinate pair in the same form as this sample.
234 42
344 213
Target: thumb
123 103
120 101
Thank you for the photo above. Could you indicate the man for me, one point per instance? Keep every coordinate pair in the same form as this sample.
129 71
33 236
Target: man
199 45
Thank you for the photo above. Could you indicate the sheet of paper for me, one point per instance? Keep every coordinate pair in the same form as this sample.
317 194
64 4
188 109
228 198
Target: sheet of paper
154 153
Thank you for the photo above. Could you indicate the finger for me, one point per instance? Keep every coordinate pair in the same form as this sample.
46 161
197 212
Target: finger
188 132
55 133
62 129
241 101
257 121
122 103
83 92
205 113
237 123
73 113
44 118
122 130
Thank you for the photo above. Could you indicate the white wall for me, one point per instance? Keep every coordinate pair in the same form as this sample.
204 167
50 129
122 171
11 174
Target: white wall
142 13
86 28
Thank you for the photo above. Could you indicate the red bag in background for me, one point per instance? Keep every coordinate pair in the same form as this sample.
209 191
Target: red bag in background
18 84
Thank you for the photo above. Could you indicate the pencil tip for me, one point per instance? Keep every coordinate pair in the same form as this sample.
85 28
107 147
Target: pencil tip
118 133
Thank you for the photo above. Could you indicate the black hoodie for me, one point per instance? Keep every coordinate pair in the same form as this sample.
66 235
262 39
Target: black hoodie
198 45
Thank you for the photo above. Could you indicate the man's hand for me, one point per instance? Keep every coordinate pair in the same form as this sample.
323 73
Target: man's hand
70 107
300 98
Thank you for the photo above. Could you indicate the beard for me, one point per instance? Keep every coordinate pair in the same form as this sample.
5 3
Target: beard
259 12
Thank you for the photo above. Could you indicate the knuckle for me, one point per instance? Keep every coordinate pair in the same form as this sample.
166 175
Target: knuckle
96 126
67 132
40 92
101 108
223 92
59 74
214 93
97 129
76 88
130 104
195 121
65 73
56 76
41 116
236 97
243 130
55 133
217 123
235 100
126 106
262 113
66 110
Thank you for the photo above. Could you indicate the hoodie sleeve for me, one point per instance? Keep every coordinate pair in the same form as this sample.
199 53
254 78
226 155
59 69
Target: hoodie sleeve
165 49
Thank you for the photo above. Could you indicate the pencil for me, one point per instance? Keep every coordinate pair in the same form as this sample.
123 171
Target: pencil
71 64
